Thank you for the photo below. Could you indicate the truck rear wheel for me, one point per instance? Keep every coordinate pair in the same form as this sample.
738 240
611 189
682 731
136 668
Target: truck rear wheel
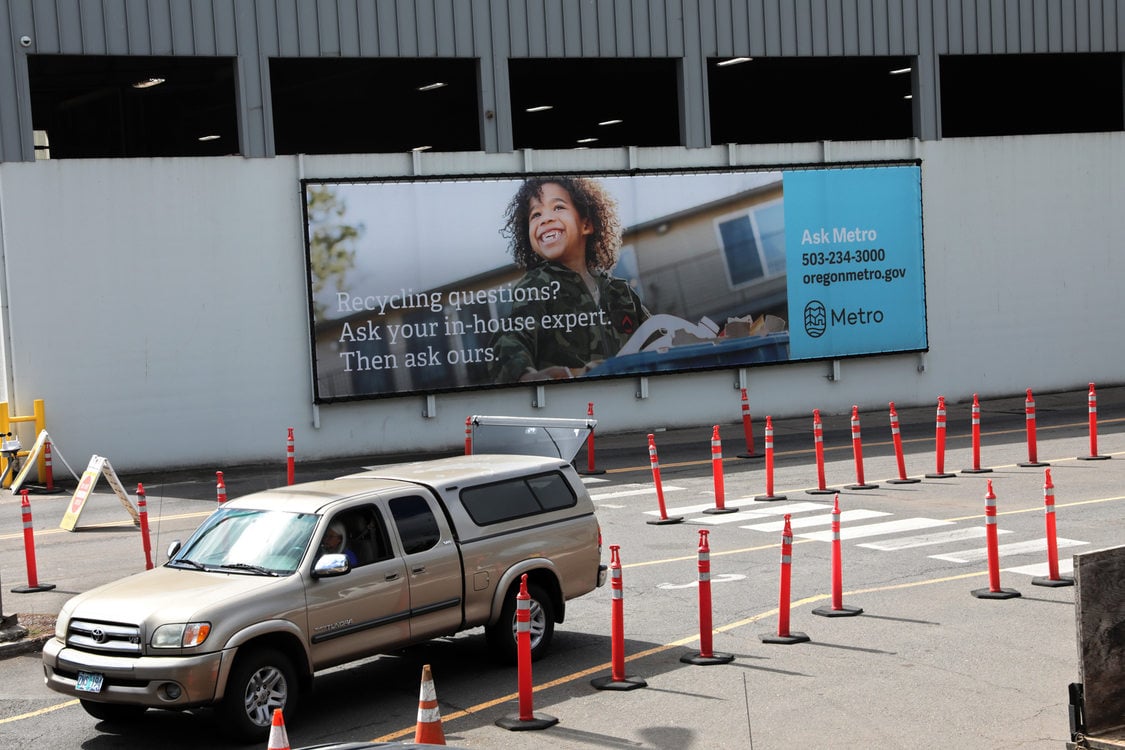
503 637
261 680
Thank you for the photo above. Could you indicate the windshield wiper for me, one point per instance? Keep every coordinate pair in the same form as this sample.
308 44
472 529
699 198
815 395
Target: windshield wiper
189 562
248 566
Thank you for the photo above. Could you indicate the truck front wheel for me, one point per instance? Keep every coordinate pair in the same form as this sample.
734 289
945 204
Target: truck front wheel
261 680
503 636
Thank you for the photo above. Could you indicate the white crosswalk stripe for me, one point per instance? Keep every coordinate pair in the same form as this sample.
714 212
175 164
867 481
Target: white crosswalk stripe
924 540
630 490
1042 570
1014 548
877 529
821 520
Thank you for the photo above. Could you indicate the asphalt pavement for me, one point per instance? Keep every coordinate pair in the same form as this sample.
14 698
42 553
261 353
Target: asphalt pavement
896 635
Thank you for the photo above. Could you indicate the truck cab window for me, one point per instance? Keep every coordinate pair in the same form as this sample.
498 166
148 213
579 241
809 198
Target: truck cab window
416 524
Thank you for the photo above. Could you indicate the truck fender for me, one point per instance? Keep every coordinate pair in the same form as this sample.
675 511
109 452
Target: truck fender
538 569
284 634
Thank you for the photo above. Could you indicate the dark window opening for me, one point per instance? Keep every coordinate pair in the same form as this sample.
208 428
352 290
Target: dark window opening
87 106
793 100
994 95
594 103
374 106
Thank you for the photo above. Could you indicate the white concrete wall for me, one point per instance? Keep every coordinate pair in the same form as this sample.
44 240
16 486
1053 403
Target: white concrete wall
158 307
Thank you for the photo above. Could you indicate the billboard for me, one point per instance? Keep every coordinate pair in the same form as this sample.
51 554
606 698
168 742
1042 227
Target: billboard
441 284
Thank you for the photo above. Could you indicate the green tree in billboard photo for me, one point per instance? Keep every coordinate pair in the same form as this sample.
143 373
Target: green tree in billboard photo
565 233
331 243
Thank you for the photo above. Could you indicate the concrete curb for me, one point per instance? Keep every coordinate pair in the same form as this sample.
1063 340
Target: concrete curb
26 645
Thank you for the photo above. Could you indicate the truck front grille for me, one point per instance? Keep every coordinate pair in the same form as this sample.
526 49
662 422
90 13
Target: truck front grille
104 637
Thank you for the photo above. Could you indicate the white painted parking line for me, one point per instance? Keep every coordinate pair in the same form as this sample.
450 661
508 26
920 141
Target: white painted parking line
877 529
805 522
1042 570
748 509
1014 548
633 490
922 540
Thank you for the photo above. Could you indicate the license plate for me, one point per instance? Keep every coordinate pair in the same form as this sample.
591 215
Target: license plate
89 682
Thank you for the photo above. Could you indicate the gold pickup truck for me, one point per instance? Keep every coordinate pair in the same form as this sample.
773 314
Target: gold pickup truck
251 606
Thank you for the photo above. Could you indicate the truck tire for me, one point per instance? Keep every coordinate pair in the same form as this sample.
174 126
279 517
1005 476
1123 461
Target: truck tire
262 679
115 713
502 637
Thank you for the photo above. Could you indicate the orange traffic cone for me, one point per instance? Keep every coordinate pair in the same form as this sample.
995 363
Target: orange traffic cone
428 729
279 740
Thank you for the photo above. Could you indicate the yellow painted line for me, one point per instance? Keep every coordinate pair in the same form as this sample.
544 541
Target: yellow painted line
687 640
40 712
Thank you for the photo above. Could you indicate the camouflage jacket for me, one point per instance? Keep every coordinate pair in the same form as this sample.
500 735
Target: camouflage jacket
570 330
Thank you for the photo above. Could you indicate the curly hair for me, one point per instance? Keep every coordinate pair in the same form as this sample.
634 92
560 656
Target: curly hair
592 202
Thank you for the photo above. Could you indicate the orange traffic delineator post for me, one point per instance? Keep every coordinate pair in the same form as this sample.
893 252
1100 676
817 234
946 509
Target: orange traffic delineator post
527 718
468 436
784 635
49 470
290 459
857 452
617 679
717 474
976 441
838 608
769 464
747 429
654 461
428 729
896 438
818 440
939 471
705 656
993 591
279 738
33 583
1032 449
220 488
591 468
142 512
1092 405
1052 579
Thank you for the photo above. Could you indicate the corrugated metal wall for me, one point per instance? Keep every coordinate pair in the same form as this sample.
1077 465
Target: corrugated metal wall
495 30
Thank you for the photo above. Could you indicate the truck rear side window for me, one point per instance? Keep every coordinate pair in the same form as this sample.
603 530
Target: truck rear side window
417 527
517 498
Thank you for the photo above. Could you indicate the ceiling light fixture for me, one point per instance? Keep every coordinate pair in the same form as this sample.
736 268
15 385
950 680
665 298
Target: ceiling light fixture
421 148
900 71
587 140
540 108
432 86
611 122
148 83
211 137
733 61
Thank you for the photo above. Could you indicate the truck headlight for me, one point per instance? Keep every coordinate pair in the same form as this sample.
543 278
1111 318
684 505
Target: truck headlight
180 635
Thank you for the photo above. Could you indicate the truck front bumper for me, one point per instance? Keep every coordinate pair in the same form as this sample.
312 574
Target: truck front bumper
173 682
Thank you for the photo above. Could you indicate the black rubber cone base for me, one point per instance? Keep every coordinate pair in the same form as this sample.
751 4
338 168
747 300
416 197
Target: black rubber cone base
608 683
976 471
1000 594
940 475
514 723
769 497
590 472
793 637
33 589
665 521
1094 458
908 480
823 491
861 486
844 611
1033 464
751 455
713 658
1052 582
716 510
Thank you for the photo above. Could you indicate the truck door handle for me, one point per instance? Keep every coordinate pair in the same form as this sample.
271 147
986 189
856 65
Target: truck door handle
419 569
391 577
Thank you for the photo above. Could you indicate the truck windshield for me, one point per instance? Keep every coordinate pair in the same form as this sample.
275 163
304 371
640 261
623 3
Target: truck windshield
251 542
